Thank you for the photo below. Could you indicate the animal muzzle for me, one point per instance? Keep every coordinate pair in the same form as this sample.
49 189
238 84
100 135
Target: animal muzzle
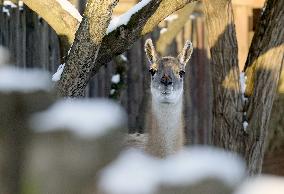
166 80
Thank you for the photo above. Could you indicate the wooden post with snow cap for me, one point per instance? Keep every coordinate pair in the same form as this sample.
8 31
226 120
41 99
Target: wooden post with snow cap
205 170
22 92
85 135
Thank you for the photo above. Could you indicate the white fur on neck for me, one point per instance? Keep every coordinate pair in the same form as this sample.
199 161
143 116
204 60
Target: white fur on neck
169 123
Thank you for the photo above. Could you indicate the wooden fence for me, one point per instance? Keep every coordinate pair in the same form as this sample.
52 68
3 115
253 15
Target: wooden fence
34 44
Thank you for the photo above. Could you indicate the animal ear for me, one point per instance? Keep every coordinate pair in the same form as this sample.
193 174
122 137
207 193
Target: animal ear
150 51
186 52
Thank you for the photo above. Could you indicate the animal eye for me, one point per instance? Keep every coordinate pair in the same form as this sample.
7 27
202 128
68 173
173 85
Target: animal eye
181 73
152 71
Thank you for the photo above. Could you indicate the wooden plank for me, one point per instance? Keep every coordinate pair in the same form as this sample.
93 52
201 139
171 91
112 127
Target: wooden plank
249 3
242 30
1 26
134 81
43 42
21 53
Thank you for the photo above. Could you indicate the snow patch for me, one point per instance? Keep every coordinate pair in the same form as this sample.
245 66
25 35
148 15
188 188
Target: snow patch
191 166
133 172
124 18
20 3
85 118
69 7
57 76
171 18
245 125
124 58
10 3
115 79
23 80
163 30
243 79
262 185
137 172
6 11
112 91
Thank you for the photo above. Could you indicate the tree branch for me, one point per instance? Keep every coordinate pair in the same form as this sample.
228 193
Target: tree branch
174 28
62 21
141 23
113 44
83 54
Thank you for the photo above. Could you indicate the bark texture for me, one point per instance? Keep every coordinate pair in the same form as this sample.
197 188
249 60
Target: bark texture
227 105
262 68
83 54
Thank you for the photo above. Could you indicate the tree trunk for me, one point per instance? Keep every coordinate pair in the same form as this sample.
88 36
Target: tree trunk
84 50
227 116
83 54
262 68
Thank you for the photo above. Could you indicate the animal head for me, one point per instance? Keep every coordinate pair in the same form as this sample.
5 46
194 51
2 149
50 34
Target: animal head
167 73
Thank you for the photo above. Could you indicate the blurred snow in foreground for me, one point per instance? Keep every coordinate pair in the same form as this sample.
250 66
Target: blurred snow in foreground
139 173
195 164
262 185
23 80
85 118
133 172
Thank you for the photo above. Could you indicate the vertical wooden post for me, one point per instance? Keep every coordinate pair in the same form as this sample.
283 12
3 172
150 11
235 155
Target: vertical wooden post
16 106
242 29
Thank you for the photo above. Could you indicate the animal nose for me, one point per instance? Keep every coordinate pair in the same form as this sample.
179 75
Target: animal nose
166 80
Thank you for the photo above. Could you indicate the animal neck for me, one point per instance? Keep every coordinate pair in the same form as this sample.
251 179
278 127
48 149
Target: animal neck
166 135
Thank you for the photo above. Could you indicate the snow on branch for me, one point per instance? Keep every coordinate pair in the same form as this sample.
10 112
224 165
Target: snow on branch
124 18
67 6
61 15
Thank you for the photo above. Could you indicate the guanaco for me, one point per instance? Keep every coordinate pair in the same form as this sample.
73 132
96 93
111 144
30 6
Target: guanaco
166 135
